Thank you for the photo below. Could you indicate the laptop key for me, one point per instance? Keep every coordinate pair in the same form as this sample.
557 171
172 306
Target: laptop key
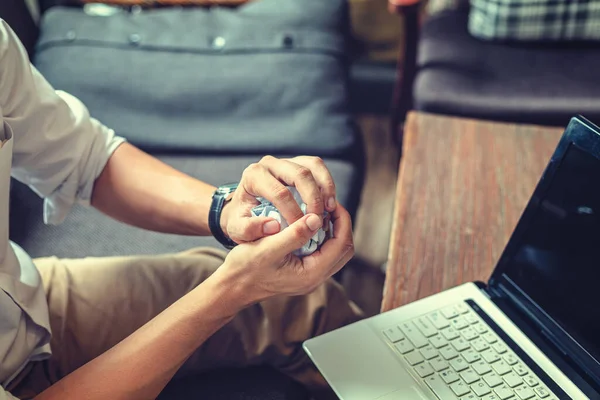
500 348
469 376
541 391
438 364
469 333
491 396
450 312
510 358
448 352
512 380
459 323
438 341
480 345
501 367
459 364
480 389
490 356
524 393
414 358
462 308
480 328
438 320
471 356
482 367
460 388
489 337
521 369
471 318
424 370
393 334
412 333
404 346
449 376
429 352
531 381
504 392
492 380
450 333
460 344
439 387
470 396
425 327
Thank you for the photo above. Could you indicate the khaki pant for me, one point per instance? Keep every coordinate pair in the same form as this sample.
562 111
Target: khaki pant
96 302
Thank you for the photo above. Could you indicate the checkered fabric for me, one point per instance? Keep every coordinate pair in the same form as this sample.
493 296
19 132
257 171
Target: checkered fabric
535 20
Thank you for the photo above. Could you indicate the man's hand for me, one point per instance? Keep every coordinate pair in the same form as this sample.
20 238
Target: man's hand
268 178
266 268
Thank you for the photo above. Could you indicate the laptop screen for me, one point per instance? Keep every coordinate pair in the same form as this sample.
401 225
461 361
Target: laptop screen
557 261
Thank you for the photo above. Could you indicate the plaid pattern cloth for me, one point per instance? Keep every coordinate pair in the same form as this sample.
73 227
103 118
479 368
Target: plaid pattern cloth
535 20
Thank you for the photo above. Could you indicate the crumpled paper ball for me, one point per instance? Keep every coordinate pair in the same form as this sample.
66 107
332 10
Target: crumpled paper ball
267 209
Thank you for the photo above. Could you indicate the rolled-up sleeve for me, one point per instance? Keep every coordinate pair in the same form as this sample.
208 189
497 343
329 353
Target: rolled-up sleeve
59 150
6 396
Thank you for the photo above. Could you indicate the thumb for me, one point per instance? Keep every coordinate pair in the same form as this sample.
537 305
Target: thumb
294 236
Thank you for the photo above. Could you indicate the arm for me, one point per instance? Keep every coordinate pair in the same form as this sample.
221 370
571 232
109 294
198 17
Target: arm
140 190
252 272
150 356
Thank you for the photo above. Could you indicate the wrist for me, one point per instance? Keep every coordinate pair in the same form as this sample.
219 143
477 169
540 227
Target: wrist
232 288
225 218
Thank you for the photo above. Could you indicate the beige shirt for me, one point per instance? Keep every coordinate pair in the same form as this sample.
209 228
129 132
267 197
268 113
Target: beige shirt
49 142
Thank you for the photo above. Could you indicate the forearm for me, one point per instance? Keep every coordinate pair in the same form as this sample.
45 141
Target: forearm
140 190
141 365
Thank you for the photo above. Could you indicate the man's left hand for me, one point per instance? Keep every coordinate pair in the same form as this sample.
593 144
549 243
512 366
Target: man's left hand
268 179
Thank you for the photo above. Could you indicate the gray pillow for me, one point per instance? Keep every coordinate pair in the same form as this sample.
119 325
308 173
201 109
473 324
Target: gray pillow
266 77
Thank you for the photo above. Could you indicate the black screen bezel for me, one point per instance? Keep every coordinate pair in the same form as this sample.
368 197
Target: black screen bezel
586 136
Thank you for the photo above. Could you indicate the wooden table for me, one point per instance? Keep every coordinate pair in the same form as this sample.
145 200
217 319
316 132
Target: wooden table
462 187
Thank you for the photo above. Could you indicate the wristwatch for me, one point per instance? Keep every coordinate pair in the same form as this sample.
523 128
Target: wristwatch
222 195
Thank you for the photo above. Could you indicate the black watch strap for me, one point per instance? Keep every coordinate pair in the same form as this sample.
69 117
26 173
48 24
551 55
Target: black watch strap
221 195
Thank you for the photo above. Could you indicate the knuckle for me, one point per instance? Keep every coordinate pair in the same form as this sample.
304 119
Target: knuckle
317 161
282 194
252 168
266 159
304 173
330 185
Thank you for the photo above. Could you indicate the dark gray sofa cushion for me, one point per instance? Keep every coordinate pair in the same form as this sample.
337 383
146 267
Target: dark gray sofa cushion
266 77
87 232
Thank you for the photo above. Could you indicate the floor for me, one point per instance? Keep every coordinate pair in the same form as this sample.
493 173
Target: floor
363 277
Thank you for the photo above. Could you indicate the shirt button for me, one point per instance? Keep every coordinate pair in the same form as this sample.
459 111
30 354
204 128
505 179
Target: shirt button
71 35
135 39
218 42
288 41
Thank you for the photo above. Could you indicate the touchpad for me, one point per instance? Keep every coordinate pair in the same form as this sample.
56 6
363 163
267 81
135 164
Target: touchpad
360 366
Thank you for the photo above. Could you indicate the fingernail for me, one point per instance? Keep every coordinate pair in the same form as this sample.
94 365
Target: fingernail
331 203
271 227
313 222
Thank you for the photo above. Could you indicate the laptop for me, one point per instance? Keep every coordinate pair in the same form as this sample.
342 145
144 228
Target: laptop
532 332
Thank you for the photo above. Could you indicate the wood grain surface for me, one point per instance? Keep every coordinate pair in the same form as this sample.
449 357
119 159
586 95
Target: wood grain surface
462 187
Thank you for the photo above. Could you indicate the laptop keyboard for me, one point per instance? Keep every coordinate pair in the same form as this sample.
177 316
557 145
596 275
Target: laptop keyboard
458 356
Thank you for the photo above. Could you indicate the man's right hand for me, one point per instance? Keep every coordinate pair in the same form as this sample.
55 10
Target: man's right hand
266 268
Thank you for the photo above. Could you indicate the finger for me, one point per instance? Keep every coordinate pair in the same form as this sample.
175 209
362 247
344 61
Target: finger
301 178
341 263
258 181
294 236
249 229
336 248
323 177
